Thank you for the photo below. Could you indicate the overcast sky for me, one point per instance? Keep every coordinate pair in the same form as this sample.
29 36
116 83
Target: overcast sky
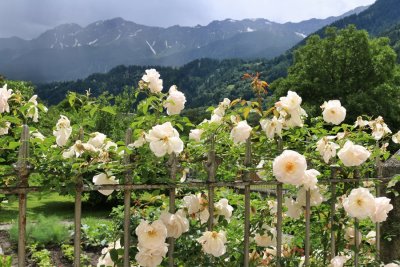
29 18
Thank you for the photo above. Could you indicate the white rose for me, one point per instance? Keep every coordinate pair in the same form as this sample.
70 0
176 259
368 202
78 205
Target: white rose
267 239
272 127
338 261
353 155
360 203
4 127
290 102
103 179
315 197
333 112
349 236
151 257
97 139
63 130
4 96
371 237
105 259
382 208
175 102
396 137
152 77
310 179
33 111
195 134
140 141
38 135
216 118
241 132
78 149
213 243
391 265
289 167
219 111
326 148
151 235
222 208
294 208
176 223
164 139
192 203
379 128
360 122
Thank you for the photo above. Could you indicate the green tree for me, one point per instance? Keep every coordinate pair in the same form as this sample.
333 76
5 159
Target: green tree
349 66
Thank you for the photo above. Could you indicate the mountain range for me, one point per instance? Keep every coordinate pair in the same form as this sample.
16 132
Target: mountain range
70 51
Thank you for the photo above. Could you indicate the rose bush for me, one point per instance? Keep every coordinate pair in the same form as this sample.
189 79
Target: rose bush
297 151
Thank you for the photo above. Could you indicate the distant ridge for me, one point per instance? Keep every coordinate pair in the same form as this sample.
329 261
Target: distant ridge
69 51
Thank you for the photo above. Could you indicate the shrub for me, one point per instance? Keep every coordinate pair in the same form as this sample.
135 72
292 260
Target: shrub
47 230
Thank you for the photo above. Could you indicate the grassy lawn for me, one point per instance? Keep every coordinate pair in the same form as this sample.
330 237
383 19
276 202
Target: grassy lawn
48 204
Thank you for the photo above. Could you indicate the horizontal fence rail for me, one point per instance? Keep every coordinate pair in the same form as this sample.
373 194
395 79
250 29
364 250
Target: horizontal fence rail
245 186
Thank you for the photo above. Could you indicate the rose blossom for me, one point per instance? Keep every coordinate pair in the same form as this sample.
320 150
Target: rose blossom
309 179
379 128
4 96
326 148
175 102
176 223
289 167
103 179
294 208
4 127
333 112
222 208
360 203
152 77
338 261
151 235
213 243
151 257
349 236
97 139
272 127
195 134
241 132
315 197
382 208
63 130
164 139
396 137
353 155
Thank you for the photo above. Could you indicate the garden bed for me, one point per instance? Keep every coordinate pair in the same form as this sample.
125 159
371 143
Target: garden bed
57 256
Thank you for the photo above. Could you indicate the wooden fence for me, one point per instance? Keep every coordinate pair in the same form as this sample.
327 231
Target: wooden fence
246 185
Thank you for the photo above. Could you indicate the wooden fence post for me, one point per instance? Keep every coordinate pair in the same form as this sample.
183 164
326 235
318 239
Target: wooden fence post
23 169
78 215
127 201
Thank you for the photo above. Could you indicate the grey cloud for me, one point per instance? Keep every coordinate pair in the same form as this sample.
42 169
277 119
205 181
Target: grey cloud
29 18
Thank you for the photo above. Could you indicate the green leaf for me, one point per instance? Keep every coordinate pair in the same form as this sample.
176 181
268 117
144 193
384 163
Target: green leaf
13 145
109 109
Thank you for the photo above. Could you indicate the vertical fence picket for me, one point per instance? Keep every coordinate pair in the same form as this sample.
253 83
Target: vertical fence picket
211 167
333 210
246 178
307 237
379 171
127 200
172 162
23 169
78 215
279 200
356 229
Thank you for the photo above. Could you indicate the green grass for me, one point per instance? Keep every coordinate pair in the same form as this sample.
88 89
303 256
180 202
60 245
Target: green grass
48 204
